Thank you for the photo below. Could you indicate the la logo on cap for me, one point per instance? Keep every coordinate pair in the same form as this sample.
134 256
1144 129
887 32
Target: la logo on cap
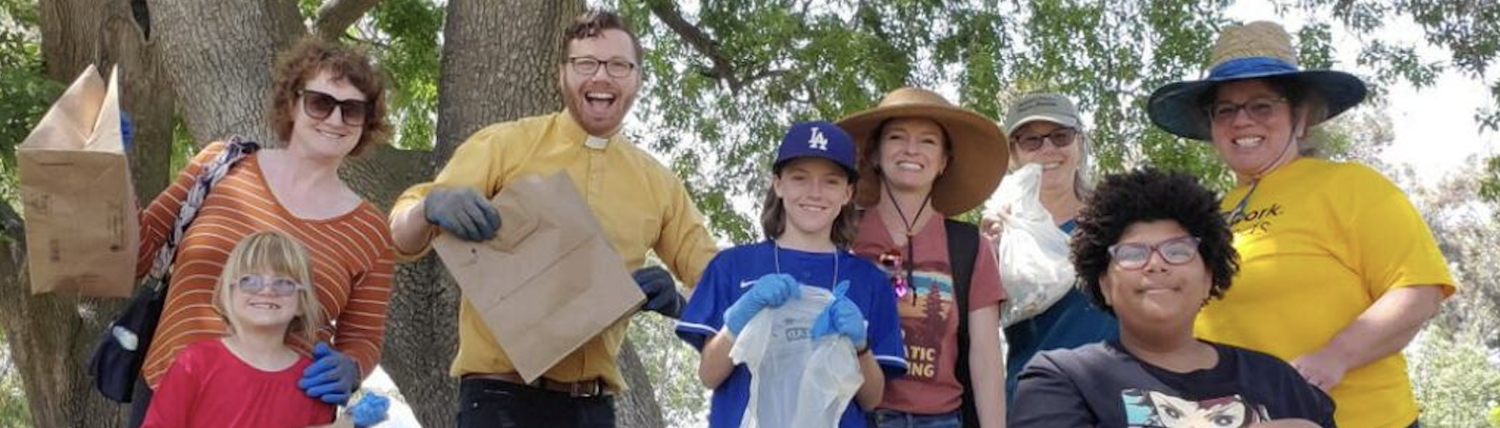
817 140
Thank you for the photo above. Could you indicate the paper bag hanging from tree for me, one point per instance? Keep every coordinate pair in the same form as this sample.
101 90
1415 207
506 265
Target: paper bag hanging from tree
81 229
549 281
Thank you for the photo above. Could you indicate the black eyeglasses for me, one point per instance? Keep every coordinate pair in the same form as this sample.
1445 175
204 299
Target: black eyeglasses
1174 251
319 105
587 66
1260 110
279 286
1061 137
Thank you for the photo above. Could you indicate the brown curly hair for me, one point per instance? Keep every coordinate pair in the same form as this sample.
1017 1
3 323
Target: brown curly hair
303 62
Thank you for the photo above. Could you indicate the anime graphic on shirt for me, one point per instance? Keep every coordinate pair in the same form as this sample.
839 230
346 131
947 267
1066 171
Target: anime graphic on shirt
1152 409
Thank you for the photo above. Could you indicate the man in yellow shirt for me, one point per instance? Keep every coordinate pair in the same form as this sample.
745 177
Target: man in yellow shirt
640 204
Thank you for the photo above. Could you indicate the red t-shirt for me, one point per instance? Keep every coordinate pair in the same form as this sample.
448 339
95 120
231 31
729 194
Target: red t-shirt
209 386
929 322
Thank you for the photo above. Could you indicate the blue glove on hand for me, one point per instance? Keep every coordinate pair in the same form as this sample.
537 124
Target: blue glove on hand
331 377
841 317
461 211
771 290
370 409
661 291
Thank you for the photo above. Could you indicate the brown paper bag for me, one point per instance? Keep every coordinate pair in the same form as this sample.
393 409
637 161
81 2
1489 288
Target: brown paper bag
550 281
81 226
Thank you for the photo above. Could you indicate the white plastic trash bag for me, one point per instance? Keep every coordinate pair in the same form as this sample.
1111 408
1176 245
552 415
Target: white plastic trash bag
1033 252
796 382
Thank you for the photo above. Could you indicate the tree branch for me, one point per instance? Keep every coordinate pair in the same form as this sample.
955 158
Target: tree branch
335 16
720 65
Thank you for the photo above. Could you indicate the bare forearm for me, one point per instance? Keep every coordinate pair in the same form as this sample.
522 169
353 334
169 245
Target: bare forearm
986 367
873 389
410 231
715 364
1387 326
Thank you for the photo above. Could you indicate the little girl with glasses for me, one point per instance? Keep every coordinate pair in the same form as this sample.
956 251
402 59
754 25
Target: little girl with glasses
248 377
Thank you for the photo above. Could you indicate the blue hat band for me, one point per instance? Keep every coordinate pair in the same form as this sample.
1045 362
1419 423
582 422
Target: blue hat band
1250 66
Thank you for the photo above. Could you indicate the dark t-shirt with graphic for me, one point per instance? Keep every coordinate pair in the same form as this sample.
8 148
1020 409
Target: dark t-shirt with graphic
1102 385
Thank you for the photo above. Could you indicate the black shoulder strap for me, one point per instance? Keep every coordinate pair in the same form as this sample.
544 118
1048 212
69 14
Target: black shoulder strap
963 251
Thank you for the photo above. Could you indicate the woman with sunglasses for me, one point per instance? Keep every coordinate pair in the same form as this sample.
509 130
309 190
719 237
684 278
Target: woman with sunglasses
327 103
1151 249
1045 129
923 159
1340 269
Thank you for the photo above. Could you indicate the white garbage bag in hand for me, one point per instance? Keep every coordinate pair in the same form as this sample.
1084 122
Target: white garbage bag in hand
796 381
1033 252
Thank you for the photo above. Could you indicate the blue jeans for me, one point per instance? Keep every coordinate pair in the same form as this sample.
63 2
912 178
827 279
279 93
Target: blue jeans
882 418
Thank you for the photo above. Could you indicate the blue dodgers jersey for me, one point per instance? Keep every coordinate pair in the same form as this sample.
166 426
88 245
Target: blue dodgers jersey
732 272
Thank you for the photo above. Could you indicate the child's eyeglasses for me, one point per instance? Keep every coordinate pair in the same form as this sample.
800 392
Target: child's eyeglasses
279 286
1174 251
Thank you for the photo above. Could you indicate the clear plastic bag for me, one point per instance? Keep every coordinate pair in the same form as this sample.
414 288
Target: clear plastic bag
796 381
1033 252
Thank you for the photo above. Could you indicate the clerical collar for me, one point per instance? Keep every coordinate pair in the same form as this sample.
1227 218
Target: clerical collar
596 143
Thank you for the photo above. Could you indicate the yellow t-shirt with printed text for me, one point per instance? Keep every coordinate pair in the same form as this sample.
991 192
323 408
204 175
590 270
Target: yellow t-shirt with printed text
1319 243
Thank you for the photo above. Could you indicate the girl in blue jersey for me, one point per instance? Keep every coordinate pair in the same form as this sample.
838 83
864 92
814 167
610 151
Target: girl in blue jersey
808 218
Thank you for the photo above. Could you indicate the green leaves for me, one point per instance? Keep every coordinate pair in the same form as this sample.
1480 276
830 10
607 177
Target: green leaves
405 41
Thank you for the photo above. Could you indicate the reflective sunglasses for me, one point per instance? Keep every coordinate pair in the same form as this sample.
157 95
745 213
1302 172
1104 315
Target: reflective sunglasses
319 105
1260 110
1174 251
1061 137
587 66
279 286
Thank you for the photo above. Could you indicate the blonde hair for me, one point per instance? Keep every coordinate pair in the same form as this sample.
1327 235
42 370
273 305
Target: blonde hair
271 252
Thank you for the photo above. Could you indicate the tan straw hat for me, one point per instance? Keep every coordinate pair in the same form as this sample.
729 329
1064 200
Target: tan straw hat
1255 50
976 162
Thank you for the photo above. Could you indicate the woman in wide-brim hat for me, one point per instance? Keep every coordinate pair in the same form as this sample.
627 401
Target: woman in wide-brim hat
1339 270
922 159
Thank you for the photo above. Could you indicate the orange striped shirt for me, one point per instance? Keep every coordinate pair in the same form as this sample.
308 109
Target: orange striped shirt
352 263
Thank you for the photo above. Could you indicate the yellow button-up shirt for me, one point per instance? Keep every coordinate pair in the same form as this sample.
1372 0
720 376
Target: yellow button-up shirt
639 202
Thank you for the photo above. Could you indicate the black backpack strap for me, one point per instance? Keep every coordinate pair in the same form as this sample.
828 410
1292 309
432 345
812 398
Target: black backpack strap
963 252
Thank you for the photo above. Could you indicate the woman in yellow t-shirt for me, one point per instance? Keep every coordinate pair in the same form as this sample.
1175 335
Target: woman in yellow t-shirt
1339 271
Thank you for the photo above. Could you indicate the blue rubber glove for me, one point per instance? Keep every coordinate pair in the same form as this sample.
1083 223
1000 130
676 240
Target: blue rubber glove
331 377
127 131
370 409
461 211
841 317
661 291
770 291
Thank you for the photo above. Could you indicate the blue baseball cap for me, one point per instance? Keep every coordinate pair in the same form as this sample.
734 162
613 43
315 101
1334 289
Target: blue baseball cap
817 139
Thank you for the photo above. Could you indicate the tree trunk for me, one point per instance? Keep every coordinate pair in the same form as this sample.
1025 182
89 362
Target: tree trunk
219 55
76 33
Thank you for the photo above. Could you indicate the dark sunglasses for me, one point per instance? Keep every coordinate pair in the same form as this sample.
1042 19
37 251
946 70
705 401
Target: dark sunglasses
1175 251
319 105
1061 137
279 286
